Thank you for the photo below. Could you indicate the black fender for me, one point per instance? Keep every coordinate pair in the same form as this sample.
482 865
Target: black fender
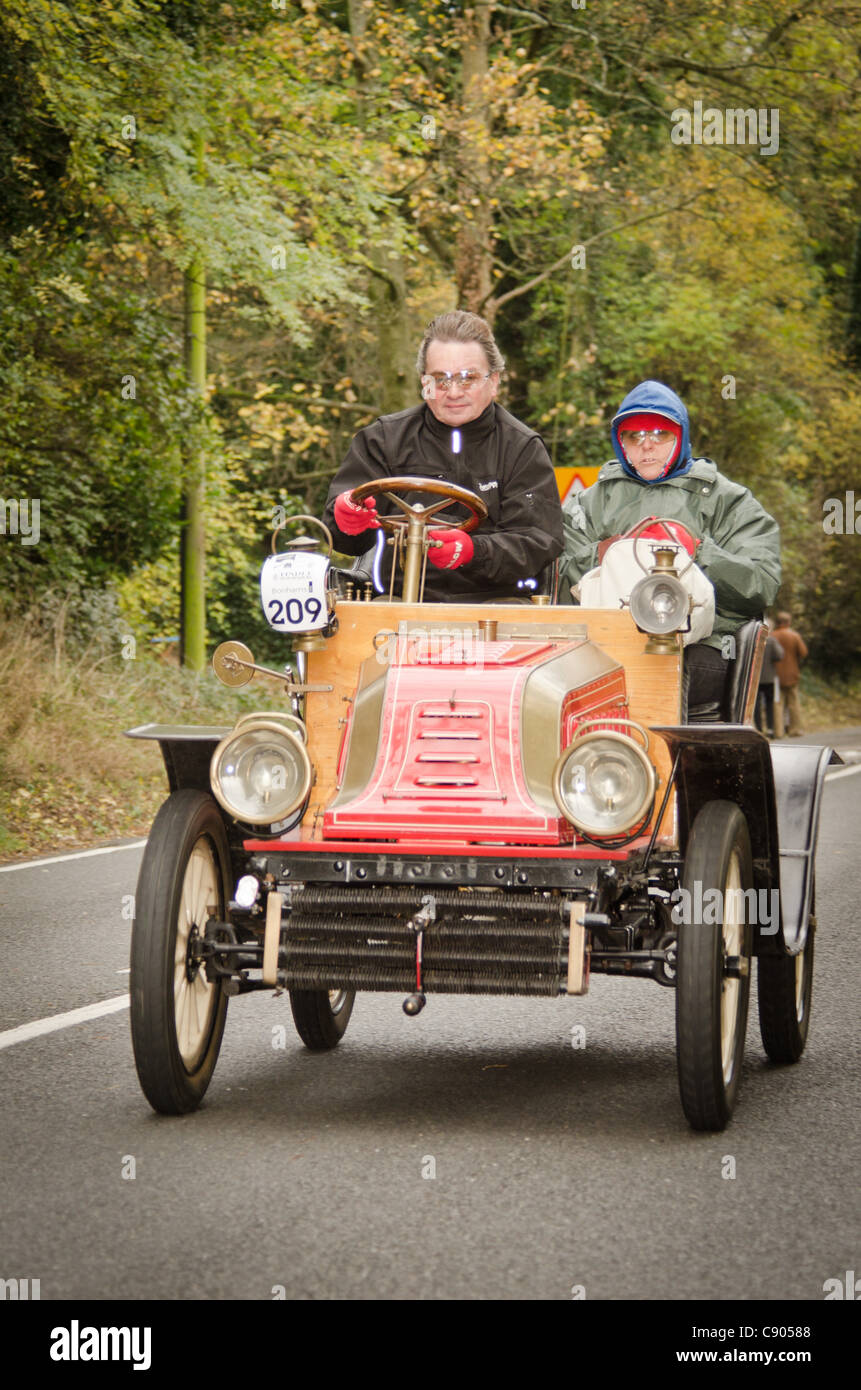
187 750
779 789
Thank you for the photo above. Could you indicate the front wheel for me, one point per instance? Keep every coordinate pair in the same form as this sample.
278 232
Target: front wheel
321 1016
177 1015
713 974
784 989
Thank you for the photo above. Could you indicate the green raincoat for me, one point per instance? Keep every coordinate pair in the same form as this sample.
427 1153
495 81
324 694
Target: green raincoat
740 550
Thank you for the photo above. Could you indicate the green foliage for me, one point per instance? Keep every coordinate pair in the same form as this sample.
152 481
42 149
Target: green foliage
67 775
342 175
239 528
823 585
96 413
72 435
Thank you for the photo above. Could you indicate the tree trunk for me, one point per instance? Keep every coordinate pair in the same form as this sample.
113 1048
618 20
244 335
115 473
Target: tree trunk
854 324
472 246
193 535
396 350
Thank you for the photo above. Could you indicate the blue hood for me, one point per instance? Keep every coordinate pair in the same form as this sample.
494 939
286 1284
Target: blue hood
654 397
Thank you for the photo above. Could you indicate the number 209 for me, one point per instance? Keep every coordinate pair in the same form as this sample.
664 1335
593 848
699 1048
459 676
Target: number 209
295 612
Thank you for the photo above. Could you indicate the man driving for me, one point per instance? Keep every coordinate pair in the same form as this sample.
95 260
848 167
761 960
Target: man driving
458 435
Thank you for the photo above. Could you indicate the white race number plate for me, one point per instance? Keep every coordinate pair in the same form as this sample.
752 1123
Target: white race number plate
293 591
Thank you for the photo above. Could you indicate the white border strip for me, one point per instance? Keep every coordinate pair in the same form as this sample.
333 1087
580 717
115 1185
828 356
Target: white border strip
39 1026
75 854
842 772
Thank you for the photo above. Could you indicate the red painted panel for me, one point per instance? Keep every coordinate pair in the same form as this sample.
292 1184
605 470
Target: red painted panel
429 845
449 761
476 789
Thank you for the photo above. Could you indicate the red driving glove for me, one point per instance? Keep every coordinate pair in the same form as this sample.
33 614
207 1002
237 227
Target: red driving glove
354 517
455 549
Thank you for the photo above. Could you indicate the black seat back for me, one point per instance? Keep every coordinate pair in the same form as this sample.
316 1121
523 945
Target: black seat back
749 648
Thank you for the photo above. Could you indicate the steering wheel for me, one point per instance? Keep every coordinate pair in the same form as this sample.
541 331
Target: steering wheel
410 529
449 492
635 535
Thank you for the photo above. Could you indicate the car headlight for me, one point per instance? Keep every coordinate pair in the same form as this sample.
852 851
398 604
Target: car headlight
660 604
604 783
261 771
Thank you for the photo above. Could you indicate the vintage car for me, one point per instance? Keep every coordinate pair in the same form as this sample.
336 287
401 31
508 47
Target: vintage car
475 799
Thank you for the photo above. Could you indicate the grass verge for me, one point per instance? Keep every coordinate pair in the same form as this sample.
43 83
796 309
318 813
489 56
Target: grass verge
829 704
68 777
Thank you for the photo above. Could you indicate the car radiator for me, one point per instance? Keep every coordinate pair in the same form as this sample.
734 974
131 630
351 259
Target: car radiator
478 942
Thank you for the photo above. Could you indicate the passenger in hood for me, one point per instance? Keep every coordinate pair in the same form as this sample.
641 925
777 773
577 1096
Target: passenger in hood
648 411
733 539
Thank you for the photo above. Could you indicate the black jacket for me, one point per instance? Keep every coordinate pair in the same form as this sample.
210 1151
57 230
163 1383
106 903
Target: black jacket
501 460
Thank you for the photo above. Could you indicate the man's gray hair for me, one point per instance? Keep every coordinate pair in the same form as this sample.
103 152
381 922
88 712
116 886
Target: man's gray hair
458 326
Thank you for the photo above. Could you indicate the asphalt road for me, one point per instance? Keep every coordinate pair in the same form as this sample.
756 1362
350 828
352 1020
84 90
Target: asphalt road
472 1153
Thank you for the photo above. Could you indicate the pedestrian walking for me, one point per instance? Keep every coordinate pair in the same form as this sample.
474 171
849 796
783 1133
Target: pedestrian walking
789 671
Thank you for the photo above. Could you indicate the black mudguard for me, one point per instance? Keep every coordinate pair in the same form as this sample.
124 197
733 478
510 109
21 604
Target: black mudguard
187 750
779 789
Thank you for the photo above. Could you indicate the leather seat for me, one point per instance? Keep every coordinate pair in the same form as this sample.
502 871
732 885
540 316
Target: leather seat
742 671
730 708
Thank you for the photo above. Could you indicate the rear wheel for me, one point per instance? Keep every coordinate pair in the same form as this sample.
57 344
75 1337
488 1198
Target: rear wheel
713 980
177 1015
321 1016
784 989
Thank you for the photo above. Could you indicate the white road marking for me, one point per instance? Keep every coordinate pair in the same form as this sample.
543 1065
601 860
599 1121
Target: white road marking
39 1026
842 772
76 854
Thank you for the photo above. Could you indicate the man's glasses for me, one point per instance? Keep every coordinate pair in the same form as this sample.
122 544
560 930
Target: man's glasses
629 437
444 381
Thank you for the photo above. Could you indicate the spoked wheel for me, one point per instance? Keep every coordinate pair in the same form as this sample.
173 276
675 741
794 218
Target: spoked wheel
177 1016
321 1015
784 987
713 978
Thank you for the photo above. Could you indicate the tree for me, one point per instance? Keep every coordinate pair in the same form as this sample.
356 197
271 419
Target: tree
130 108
